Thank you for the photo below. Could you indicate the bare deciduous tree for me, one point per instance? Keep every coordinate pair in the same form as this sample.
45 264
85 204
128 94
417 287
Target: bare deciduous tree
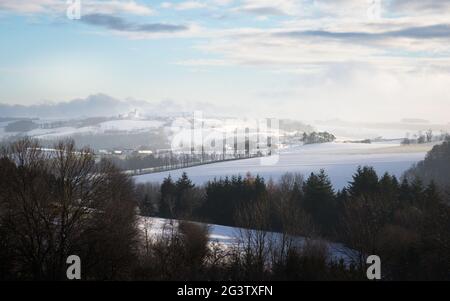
58 202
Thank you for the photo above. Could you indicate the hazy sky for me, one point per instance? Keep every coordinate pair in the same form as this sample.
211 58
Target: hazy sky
307 59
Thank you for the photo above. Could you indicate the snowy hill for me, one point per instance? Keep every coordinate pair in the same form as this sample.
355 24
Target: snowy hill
340 161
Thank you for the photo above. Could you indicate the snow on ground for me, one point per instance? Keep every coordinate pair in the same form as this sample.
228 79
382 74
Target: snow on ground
359 132
340 161
126 125
59 132
230 236
224 235
130 125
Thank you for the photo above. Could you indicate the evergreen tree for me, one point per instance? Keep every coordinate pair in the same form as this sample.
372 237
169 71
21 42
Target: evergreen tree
184 197
342 195
167 201
146 206
432 197
365 181
405 194
184 183
259 188
319 201
417 192
389 190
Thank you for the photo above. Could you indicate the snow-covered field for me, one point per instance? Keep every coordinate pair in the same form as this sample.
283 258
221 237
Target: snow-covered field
230 236
340 161
360 132
124 125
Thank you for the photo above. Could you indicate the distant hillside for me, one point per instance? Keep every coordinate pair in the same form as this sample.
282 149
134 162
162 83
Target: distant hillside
435 167
294 125
101 105
93 105
24 125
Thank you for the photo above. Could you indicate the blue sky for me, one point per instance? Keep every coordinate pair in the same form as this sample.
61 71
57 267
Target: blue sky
306 59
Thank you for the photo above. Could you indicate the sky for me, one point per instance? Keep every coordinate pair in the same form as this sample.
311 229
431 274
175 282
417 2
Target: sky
357 60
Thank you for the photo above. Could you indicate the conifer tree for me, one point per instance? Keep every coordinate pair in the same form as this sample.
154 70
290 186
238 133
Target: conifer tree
167 201
319 200
365 181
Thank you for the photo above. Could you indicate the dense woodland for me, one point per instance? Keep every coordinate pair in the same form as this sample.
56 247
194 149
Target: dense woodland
435 167
58 204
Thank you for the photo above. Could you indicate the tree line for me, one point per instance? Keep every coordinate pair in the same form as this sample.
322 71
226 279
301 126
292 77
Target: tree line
435 167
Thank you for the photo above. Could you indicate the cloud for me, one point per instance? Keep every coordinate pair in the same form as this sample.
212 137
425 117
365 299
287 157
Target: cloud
30 7
119 24
87 6
111 7
185 5
263 10
304 50
418 6
438 31
269 7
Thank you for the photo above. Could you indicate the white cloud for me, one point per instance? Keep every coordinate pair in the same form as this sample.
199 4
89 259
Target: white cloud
186 5
30 7
111 7
269 7
286 48
222 2
87 6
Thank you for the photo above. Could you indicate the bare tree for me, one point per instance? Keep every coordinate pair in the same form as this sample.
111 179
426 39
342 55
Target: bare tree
255 241
361 225
56 203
